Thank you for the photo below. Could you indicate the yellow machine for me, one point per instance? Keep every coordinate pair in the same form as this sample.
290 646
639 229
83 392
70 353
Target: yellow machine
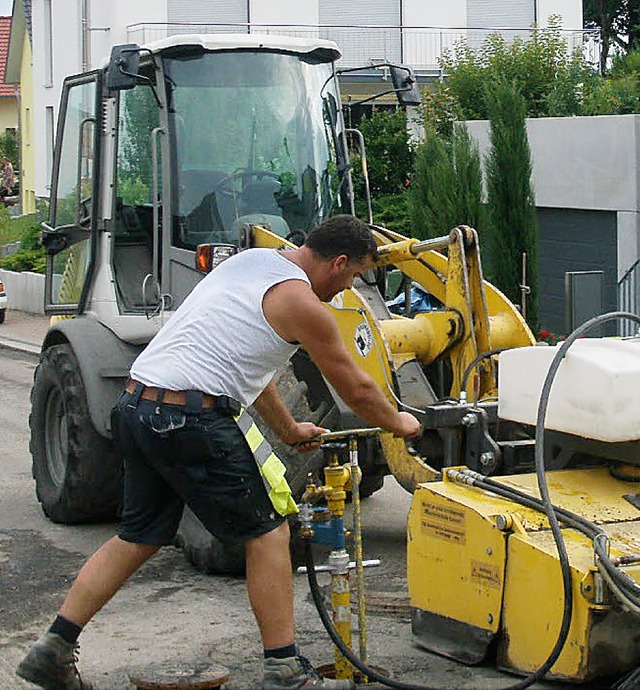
483 570
484 574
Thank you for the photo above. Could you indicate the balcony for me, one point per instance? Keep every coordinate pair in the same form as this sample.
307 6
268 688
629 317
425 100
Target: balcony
418 47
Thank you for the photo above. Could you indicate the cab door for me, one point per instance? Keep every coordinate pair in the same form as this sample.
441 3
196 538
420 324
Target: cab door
70 235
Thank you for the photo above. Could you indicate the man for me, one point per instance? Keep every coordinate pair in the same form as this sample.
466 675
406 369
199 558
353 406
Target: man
237 328
8 178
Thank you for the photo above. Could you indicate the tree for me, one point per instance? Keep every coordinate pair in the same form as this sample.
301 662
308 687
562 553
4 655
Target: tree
9 145
618 22
512 220
446 185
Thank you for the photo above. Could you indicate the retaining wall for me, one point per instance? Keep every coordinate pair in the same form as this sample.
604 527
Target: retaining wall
25 290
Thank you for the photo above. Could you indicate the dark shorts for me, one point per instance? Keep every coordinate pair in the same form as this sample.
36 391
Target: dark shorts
202 460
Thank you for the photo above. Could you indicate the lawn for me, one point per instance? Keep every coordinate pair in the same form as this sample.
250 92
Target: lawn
14 229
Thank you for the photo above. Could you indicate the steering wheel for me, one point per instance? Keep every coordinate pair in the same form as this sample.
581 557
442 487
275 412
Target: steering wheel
222 187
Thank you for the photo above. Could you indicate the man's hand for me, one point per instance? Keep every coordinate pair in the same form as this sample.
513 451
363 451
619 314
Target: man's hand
304 435
410 425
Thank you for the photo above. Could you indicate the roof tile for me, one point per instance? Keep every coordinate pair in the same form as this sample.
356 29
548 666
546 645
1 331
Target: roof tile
6 90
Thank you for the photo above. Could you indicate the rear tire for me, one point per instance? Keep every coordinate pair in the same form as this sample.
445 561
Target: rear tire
206 552
77 471
3 313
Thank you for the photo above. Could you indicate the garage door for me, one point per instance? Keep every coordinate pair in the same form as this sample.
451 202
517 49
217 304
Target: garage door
572 240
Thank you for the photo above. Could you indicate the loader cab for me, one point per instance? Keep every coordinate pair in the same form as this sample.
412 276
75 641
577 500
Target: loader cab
254 138
183 143
212 139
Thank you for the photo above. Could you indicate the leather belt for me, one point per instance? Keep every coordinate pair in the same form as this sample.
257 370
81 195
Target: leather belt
170 397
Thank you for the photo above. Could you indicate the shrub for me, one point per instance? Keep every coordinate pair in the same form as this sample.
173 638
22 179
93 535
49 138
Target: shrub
389 153
619 92
439 110
392 211
549 77
31 256
25 260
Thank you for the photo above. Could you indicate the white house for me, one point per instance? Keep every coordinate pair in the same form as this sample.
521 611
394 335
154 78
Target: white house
76 35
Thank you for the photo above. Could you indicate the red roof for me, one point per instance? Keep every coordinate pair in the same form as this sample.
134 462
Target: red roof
5 32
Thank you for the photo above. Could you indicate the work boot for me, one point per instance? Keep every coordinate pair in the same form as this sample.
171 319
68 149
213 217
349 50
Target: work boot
297 673
51 664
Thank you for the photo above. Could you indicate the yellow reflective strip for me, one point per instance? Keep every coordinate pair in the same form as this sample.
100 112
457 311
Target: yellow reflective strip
254 437
273 469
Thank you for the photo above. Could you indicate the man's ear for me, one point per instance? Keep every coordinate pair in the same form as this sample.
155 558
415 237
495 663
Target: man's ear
341 261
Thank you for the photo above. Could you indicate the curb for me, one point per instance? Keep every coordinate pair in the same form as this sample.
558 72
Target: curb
20 345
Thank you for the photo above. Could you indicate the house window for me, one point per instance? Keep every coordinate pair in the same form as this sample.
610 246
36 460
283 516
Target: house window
224 14
368 32
48 44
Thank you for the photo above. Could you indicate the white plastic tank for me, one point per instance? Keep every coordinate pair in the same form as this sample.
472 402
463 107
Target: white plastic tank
595 393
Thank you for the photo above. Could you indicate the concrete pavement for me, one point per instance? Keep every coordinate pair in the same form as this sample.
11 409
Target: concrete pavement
23 331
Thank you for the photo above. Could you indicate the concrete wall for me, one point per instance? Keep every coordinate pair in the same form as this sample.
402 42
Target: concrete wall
25 291
587 163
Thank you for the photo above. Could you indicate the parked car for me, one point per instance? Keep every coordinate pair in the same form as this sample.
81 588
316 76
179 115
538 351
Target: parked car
3 302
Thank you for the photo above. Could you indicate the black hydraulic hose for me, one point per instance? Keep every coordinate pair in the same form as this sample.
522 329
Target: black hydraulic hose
542 479
578 522
371 673
474 363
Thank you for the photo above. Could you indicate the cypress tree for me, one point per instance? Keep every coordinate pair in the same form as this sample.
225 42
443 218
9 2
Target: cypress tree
446 185
511 203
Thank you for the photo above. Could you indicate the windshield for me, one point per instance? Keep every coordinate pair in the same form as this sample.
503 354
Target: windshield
254 138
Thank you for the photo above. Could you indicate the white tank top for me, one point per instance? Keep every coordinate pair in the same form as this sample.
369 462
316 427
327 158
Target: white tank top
219 341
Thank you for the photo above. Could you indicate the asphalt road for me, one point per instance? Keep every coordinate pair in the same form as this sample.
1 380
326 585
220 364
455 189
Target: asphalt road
169 615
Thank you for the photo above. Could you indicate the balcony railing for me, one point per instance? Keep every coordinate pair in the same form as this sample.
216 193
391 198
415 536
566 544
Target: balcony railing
418 47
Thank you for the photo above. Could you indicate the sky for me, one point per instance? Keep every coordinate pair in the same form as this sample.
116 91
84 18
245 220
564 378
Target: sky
5 8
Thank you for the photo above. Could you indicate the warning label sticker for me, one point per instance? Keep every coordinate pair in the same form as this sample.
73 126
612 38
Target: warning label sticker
363 339
486 574
443 522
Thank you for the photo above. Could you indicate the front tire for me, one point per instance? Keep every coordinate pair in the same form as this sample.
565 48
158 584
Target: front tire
77 471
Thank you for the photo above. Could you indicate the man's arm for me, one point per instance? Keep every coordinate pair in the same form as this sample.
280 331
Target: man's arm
298 315
274 412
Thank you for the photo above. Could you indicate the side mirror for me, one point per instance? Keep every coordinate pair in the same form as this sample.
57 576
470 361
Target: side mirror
124 63
405 85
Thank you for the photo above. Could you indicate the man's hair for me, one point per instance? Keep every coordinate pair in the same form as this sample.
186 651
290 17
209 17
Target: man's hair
343 234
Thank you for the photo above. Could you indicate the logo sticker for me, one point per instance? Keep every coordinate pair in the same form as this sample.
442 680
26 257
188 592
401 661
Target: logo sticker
363 339
338 301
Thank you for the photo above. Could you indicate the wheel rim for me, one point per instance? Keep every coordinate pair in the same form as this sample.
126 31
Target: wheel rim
56 436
